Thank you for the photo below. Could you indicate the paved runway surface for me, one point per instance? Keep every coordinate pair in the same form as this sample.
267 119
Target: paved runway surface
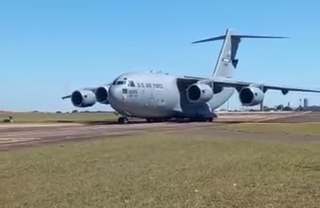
258 116
20 135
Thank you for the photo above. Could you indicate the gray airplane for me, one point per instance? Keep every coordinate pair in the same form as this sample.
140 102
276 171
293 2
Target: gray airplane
157 96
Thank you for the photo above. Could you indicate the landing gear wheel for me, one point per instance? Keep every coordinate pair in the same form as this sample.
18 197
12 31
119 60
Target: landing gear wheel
123 120
156 120
210 119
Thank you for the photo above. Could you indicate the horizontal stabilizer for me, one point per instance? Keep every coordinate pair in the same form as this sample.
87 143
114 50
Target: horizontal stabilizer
222 37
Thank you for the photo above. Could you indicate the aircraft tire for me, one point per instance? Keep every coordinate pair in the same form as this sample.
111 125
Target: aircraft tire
210 119
123 120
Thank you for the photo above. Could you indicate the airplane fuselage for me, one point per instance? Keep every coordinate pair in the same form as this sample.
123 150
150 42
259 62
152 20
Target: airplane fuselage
158 95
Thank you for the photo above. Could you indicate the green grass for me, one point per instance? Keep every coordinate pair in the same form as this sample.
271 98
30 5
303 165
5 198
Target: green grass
58 117
285 128
162 170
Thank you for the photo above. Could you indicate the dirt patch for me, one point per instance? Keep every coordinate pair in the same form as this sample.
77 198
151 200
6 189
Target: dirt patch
309 117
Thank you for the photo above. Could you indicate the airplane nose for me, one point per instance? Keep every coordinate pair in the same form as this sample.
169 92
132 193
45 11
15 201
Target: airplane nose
115 95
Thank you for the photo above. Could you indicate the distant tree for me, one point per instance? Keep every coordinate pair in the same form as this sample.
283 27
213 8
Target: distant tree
287 108
75 111
58 112
313 108
280 107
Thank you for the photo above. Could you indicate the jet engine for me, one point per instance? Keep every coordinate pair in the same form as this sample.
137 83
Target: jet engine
102 94
250 96
199 93
83 98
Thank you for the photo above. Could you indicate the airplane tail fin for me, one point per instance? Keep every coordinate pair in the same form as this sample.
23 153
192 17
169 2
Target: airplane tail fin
227 61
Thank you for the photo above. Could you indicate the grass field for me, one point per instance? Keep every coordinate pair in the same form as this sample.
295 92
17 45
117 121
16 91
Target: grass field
311 129
163 170
58 117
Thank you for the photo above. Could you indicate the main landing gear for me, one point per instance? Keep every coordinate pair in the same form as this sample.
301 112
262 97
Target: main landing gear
156 120
123 120
201 120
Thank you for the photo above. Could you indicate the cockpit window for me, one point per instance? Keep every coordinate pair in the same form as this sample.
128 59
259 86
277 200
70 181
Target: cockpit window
131 84
121 82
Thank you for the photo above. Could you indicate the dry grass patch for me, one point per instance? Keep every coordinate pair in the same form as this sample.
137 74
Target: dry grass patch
312 128
162 170
58 117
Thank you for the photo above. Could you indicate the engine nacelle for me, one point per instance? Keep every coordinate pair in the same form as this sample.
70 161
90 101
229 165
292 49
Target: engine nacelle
250 96
83 98
199 93
102 94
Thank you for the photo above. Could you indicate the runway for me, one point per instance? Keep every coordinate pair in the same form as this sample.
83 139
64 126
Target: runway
22 135
227 117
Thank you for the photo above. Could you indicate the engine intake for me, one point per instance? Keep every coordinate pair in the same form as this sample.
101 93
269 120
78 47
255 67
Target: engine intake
102 94
83 98
250 96
199 93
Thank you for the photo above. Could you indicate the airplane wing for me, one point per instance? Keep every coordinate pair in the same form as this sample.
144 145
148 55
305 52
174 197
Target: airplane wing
93 89
225 82
65 97
87 88
265 87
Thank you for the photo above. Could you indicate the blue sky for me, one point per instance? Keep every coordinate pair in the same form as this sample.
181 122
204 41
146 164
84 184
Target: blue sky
49 48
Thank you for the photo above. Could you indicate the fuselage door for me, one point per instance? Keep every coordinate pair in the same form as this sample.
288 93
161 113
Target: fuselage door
124 93
152 100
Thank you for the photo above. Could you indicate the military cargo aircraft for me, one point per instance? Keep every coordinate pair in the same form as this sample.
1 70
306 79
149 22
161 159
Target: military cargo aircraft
157 96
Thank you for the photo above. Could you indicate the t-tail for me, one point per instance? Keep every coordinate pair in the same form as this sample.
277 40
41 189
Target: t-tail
227 61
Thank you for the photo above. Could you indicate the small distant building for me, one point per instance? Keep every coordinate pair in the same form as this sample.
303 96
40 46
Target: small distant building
305 103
